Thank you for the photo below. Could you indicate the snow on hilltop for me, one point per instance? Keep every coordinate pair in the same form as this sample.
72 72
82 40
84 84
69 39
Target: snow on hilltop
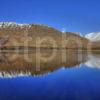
14 25
11 23
94 37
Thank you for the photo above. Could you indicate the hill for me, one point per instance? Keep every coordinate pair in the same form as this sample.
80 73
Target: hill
14 35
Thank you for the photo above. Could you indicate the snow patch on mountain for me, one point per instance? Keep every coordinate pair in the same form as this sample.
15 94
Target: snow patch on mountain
12 25
94 37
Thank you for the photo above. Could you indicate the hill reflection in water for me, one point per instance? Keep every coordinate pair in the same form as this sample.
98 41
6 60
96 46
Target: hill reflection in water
14 64
78 81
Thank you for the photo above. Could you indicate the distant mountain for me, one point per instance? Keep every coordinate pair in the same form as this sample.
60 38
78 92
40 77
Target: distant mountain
94 39
16 35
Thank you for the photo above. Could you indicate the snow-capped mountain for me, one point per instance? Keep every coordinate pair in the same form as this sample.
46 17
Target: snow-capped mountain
94 37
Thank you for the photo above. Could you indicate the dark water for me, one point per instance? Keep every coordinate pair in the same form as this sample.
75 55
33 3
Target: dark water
70 80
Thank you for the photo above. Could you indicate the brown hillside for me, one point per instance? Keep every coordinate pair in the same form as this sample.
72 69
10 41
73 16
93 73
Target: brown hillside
33 35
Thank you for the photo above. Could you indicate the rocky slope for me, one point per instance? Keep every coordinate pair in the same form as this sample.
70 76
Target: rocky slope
22 35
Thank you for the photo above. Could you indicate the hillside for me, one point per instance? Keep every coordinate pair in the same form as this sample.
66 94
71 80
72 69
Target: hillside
22 35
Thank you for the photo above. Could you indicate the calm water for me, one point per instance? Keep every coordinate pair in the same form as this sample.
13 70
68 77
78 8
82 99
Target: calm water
75 79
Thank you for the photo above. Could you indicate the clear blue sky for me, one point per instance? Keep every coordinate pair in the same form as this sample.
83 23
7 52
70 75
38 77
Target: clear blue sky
73 15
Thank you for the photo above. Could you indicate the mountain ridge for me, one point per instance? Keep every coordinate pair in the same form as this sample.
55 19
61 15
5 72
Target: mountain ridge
13 35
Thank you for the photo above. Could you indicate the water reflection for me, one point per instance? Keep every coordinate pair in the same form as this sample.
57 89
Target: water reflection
14 64
93 61
75 82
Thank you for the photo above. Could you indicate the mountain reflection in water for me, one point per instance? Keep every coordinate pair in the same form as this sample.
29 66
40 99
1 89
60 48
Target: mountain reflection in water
13 64
74 75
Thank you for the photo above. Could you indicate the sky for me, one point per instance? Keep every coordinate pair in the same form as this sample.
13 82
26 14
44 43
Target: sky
71 15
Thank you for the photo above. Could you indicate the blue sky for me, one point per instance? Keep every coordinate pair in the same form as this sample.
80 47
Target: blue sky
73 15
